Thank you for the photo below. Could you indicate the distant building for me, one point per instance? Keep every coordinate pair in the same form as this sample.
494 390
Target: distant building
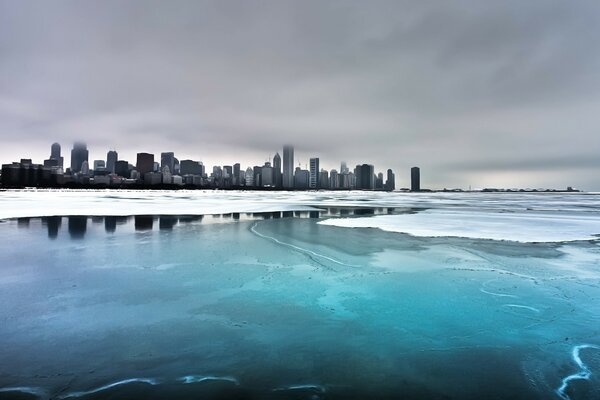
122 168
85 168
249 177
334 179
79 154
267 176
236 175
190 167
415 179
365 176
288 167
111 159
167 159
277 174
301 178
324 179
99 165
390 183
144 163
313 182
55 159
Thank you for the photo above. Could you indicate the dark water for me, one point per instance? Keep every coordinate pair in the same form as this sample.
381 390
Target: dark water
275 306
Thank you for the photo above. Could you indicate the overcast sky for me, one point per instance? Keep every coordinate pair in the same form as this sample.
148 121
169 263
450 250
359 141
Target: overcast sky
481 93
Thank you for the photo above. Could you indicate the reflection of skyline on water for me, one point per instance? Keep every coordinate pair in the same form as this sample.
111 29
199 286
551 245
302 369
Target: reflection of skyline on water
77 226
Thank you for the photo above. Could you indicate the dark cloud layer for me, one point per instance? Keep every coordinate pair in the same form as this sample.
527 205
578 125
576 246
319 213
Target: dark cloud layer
481 93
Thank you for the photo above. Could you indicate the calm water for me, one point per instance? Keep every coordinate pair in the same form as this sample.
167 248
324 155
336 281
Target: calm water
276 306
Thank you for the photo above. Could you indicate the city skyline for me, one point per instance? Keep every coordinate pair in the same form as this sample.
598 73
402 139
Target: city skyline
169 171
477 94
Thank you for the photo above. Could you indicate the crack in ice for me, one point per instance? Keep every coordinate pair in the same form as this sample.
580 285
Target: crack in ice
583 374
149 381
299 249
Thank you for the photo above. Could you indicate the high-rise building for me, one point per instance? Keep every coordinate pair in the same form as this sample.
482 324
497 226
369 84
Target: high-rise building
189 167
99 166
85 168
390 183
111 158
236 175
79 154
249 177
415 179
334 179
323 179
167 159
266 175
277 176
55 159
301 178
144 163
313 182
122 168
288 167
344 168
365 176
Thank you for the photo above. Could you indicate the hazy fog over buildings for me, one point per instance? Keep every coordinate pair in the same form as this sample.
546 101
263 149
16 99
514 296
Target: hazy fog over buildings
500 94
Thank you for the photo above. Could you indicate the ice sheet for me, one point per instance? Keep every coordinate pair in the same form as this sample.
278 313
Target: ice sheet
526 227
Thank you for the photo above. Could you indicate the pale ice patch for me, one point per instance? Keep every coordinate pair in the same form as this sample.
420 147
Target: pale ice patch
519 227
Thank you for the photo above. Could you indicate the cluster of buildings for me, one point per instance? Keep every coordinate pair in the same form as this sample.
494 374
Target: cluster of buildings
167 170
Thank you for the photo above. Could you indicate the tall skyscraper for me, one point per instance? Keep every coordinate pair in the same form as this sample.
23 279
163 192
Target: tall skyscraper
288 167
277 176
313 181
167 159
190 167
79 154
111 159
390 183
145 163
249 177
415 179
55 154
236 174
122 168
365 176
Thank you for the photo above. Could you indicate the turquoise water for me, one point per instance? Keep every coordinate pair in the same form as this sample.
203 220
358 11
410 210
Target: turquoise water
277 306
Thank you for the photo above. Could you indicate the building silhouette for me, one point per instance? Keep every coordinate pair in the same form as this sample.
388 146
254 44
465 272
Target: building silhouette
365 176
415 179
55 159
144 163
79 154
390 183
167 159
277 175
313 182
111 159
288 167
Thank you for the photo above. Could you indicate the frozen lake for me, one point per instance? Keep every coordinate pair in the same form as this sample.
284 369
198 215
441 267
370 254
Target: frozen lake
322 295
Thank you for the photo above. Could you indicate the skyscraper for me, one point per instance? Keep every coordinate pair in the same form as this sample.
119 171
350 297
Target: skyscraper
167 159
145 163
390 183
236 174
55 154
313 182
79 154
365 176
277 177
111 159
415 179
288 167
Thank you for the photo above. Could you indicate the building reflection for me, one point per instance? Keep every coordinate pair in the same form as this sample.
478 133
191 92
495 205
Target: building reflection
53 225
77 226
167 222
143 222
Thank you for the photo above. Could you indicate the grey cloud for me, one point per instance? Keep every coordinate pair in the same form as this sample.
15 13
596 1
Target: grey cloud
447 85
